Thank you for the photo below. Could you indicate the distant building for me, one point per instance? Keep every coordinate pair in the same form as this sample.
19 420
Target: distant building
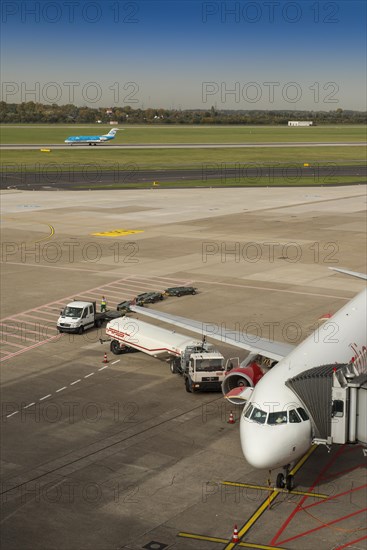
300 123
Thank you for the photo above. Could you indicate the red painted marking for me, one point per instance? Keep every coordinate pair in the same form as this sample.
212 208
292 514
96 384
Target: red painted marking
299 505
335 496
12 344
282 542
22 336
12 322
351 542
31 347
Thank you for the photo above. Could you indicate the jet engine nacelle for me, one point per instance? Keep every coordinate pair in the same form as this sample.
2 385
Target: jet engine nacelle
241 378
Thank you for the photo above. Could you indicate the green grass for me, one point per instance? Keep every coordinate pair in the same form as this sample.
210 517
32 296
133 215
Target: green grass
110 159
56 134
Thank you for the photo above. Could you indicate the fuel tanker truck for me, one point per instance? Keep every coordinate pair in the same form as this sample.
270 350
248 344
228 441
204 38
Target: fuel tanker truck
200 364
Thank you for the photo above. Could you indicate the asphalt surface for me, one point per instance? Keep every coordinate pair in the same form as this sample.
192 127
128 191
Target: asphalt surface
66 177
117 455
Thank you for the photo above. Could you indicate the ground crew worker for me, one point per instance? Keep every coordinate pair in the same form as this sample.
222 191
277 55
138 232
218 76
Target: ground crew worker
103 304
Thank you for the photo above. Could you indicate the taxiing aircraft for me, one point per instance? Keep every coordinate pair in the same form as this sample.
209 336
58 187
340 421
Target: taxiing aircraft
92 140
278 425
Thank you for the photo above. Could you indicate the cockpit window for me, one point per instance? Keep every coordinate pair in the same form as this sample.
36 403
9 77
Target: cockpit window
302 413
277 417
259 416
248 411
293 416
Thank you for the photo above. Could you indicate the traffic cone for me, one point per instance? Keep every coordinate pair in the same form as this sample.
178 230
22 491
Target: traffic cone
105 360
235 537
231 419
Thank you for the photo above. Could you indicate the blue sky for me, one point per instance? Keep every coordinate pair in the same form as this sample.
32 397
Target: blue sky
270 54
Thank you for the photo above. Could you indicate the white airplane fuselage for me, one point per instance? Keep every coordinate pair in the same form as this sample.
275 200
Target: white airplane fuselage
340 340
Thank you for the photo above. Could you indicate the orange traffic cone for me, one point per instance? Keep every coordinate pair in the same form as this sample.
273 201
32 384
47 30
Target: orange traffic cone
235 535
105 360
231 419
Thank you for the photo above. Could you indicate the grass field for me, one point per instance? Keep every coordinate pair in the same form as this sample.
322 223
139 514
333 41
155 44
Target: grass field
53 134
108 158
62 159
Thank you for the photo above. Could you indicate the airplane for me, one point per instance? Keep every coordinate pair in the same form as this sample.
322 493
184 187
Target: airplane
277 428
92 140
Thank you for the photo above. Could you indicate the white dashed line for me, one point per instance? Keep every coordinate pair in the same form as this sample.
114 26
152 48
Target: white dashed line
44 397
62 389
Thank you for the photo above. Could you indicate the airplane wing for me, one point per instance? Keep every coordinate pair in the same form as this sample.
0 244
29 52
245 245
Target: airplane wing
267 348
348 272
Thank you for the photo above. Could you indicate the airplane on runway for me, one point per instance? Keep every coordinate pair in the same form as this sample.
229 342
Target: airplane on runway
92 140
277 425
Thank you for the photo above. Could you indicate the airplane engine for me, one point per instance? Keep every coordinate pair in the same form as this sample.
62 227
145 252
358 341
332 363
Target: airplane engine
241 378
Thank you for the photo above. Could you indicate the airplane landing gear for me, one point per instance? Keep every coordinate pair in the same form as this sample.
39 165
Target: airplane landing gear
285 479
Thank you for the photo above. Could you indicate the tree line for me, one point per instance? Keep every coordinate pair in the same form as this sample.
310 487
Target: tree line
30 112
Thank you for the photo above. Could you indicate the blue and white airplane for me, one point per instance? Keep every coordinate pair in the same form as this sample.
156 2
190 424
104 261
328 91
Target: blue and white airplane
92 140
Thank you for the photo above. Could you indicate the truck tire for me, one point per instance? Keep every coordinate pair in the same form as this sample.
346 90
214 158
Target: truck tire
173 367
81 330
188 385
98 323
115 347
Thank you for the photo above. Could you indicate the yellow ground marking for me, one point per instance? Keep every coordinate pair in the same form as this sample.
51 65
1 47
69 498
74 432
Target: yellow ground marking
118 233
273 493
265 488
52 232
266 504
225 541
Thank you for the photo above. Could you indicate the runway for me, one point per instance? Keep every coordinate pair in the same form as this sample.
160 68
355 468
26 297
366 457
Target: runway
66 176
25 146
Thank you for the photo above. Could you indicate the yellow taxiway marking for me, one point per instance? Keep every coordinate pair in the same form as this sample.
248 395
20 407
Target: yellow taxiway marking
264 488
225 541
52 232
266 504
273 493
118 233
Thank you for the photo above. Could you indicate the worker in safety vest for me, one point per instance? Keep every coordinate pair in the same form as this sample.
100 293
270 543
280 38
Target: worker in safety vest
103 304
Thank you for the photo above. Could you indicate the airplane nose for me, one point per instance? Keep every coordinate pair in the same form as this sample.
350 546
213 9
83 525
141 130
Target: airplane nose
268 447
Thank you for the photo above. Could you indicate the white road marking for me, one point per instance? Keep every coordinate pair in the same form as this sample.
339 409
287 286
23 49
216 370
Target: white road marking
101 368
88 375
30 405
61 389
115 362
75 382
45 397
9 415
